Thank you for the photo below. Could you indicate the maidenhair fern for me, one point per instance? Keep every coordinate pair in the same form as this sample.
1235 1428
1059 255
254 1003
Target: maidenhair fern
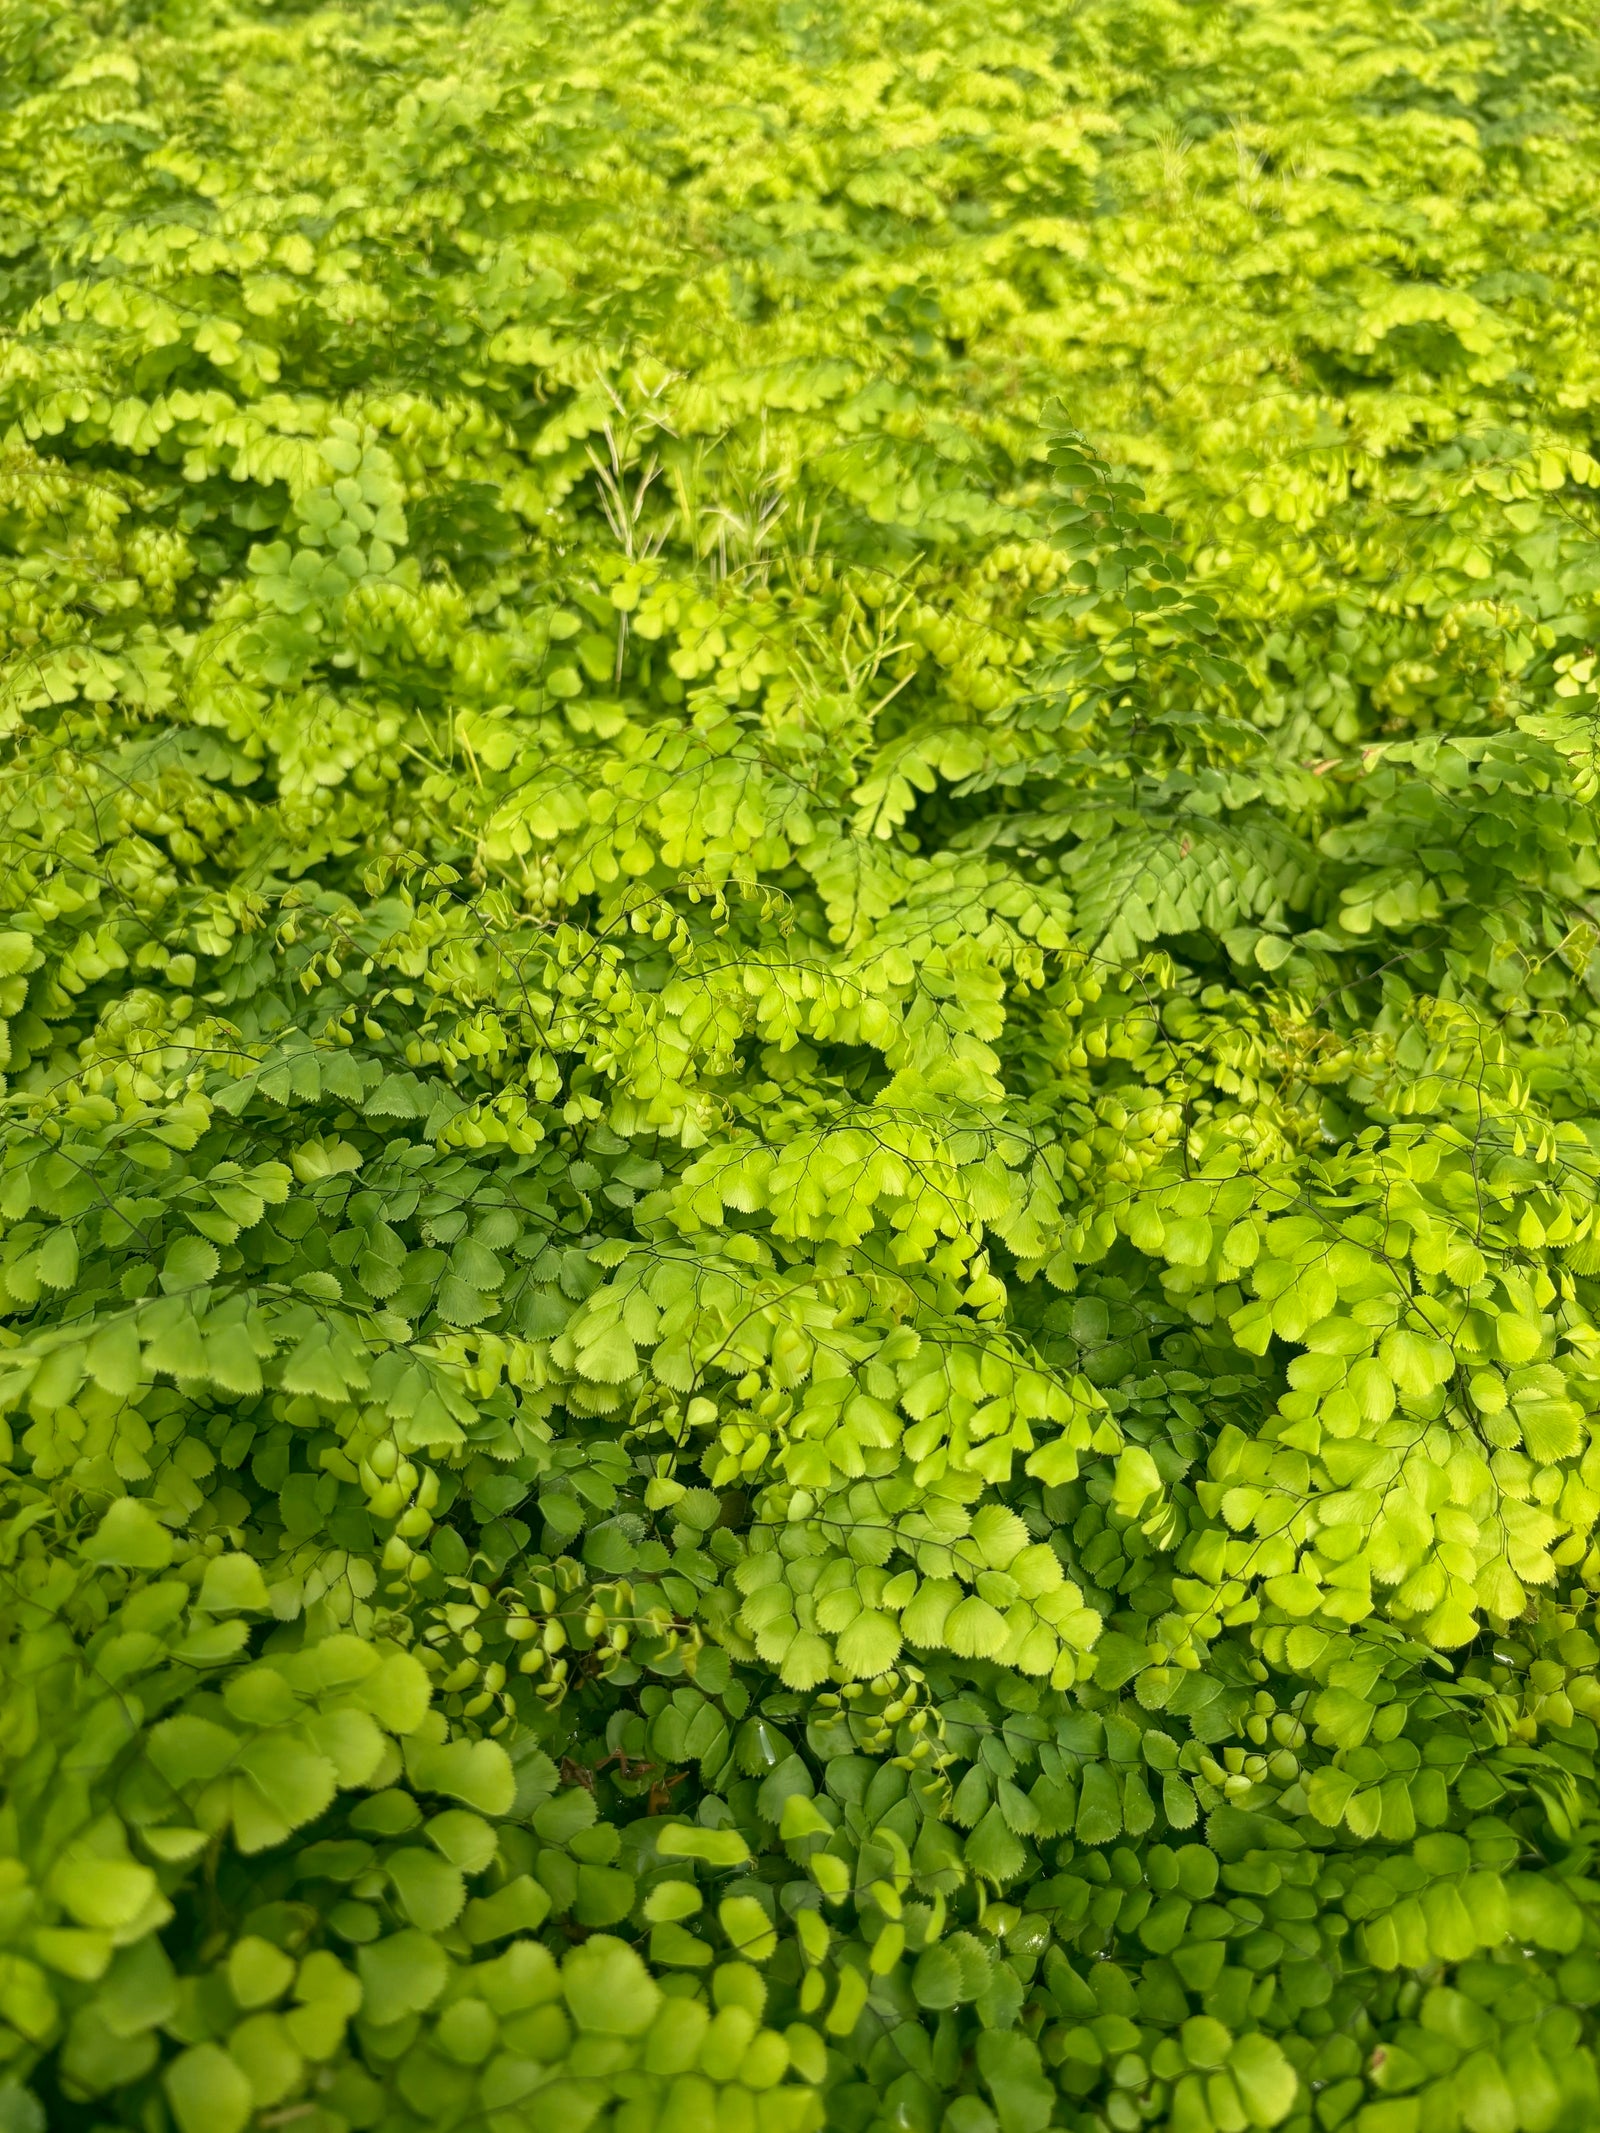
800 1153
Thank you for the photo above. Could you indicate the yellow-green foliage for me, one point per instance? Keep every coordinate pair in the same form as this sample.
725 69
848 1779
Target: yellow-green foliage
800 1275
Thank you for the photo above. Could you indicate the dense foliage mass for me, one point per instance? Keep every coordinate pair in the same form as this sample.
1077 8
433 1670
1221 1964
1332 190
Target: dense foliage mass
801 1128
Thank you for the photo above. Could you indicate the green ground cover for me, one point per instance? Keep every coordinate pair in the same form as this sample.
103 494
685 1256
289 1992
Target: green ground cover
801 1111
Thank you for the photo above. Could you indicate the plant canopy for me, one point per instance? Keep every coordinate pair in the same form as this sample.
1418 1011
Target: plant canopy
800 1128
